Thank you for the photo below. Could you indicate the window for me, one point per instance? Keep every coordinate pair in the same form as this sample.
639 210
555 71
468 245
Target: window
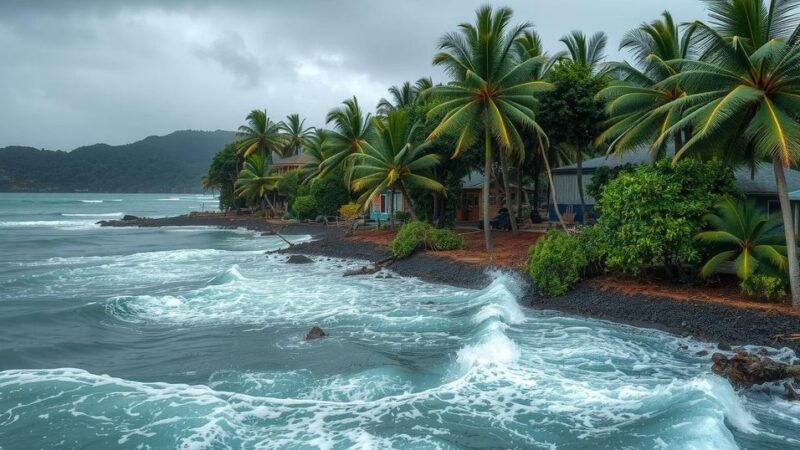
383 203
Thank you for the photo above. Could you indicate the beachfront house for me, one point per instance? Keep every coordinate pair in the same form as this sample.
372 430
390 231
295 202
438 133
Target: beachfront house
469 207
380 206
281 166
759 185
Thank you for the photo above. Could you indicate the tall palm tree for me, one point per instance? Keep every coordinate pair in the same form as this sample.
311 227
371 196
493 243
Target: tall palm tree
745 94
390 160
256 181
587 51
351 129
637 102
315 150
260 135
745 235
492 93
295 134
404 95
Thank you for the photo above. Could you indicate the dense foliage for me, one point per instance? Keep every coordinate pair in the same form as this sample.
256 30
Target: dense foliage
408 239
650 215
305 207
764 288
172 163
556 262
222 174
440 240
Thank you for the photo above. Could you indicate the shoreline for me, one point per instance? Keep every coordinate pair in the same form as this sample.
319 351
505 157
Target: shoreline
728 325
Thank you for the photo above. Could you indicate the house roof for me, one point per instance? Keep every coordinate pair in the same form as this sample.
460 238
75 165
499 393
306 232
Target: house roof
759 182
294 160
474 180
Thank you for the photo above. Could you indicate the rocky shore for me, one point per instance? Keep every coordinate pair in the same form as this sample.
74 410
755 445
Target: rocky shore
729 325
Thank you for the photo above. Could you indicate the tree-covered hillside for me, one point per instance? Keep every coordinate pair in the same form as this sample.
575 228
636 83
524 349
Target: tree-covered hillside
171 163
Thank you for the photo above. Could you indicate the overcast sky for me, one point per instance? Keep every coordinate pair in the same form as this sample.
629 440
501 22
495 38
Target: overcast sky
79 72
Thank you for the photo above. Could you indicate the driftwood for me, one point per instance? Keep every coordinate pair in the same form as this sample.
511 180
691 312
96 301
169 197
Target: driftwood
744 370
365 270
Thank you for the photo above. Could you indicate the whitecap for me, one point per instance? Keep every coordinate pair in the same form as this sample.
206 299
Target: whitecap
114 214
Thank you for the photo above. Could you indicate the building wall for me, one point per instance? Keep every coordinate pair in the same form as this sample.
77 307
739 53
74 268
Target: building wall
379 209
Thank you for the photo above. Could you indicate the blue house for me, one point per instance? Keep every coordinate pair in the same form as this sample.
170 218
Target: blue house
759 185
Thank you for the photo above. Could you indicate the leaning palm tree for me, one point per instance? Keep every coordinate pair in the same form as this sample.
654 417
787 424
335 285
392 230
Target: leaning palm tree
745 235
745 94
260 136
492 94
295 134
635 102
255 181
390 160
315 150
351 129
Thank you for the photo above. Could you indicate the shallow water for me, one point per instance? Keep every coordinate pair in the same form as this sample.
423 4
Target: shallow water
193 338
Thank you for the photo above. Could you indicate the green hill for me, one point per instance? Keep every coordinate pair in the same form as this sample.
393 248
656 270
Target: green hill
171 163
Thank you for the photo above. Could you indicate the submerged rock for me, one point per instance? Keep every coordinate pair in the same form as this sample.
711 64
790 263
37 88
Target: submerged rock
744 370
315 333
299 259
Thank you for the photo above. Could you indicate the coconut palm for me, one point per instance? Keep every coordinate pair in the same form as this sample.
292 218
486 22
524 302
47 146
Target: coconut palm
255 181
745 235
636 102
295 134
745 94
390 160
492 93
587 51
404 95
351 129
315 150
260 135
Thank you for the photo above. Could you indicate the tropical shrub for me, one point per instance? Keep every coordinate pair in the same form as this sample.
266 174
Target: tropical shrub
289 185
650 215
349 211
402 216
764 287
741 233
408 239
305 207
330 193
555 262
443 240
592 240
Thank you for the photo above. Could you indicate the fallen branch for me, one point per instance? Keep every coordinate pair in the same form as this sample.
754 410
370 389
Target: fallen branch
272 230
371 270
744 370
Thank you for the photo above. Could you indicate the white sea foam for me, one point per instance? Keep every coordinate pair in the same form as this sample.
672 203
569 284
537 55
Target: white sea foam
114 214
58 224
91 201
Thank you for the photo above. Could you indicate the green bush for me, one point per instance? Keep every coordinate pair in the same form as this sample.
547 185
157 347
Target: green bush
555 262
305 207
443 240
408 239
764 287
402 216
593 242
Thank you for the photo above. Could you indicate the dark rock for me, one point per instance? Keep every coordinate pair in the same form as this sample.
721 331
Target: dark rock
128 217
791 394
724 347
315 333
744 370
268 233
299 259
701 353
683 347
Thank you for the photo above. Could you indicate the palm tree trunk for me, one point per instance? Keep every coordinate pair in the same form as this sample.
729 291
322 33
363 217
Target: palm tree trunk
519 192
410 202
788 227
537 171
507 190
391 212
553 191
269 203
487 174
579 173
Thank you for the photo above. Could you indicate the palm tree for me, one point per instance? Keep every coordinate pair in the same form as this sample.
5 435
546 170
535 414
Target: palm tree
255 181
295 134
315 149
589 52
260 136
390 160
492 92
745 94
351 129
638 105
750 238
404 96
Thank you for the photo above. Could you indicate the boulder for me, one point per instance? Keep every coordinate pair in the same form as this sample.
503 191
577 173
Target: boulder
128 217
315 333
744 370
299 259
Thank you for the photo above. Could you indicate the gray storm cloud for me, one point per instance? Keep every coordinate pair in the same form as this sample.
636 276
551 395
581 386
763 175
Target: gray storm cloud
80 72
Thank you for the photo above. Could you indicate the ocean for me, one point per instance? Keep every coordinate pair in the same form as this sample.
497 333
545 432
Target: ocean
194 338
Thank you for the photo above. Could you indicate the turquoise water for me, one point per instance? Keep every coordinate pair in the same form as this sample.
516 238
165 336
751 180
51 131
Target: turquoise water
193 338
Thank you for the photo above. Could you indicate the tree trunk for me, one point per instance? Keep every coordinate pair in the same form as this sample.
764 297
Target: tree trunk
579 173
436 205
519 192
487 174
410 202
269 203
678 141
391 211
553 191
537 171
788 227
507 190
